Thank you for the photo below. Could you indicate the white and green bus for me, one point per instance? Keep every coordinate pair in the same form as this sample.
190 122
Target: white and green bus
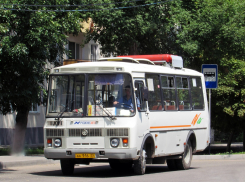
128 111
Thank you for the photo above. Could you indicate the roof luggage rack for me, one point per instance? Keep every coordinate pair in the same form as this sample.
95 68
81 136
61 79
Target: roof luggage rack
175 61
120 59
145 61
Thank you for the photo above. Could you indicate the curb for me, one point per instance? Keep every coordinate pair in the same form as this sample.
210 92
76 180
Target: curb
219 157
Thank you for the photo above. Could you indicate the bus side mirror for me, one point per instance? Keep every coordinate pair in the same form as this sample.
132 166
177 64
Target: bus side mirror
145 94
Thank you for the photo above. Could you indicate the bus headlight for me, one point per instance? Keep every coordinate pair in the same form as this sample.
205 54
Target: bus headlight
57 142
114 142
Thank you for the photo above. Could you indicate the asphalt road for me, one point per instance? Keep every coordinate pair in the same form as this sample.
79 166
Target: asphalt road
201 170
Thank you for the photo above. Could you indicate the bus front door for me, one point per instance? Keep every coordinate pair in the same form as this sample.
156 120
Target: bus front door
142 113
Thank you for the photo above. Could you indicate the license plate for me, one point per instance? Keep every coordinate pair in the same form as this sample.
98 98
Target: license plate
84 155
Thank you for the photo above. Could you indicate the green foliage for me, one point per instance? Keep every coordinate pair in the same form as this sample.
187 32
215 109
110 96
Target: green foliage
206 30
200 31
230 96
4 151
30 39
27 151
140 29
34 151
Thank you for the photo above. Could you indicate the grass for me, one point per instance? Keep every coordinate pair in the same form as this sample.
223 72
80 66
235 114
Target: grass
28 151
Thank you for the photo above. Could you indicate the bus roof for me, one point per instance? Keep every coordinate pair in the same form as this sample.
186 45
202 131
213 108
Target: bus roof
105 66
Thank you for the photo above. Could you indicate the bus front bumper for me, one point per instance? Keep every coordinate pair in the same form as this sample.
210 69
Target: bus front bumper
54 153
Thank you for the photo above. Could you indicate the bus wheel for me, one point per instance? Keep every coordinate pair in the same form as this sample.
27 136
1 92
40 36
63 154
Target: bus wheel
185 162
140 164
67 167
171 164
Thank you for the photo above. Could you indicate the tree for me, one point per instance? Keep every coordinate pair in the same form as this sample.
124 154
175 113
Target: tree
230 99
207 28
29 39
131 27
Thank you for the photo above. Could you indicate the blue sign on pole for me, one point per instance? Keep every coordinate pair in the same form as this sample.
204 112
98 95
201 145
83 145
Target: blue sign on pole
210 72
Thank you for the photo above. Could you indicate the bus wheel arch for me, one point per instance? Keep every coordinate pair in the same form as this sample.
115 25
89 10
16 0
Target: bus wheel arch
147 150
192 138
148 145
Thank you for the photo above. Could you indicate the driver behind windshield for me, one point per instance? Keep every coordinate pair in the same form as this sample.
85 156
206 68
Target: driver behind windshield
126 100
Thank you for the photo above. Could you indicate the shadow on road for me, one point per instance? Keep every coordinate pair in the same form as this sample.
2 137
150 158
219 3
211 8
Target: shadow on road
103 172
6 170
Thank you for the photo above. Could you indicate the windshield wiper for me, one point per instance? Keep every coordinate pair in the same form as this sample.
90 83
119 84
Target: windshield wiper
108 113
62 112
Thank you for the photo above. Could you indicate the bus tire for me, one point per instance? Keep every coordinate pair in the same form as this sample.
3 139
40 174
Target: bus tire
185 162
67 167
171 164
140 164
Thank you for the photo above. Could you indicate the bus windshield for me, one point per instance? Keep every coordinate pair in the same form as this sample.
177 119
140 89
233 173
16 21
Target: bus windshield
105 95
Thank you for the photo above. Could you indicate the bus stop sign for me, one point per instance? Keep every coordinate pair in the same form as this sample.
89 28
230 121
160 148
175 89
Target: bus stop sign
210 72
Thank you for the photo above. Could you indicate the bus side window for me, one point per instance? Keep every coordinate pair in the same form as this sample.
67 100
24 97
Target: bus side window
169 94
154 94
183 93
196 93
140 103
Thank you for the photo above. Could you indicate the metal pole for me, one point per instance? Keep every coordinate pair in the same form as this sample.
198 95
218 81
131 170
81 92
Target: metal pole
209 118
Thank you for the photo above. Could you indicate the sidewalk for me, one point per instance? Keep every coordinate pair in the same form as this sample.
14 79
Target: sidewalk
12 161
16 161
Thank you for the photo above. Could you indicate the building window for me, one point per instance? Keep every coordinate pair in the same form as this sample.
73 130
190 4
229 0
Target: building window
34 108
94 52
73 50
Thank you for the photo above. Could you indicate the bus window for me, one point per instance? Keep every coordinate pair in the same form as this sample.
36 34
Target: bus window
154 97
66 95
196 93
168 91
110 93
141 104
183 93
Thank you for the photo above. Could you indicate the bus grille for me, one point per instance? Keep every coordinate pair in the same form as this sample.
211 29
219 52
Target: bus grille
117 132
54 123
92 132
54 132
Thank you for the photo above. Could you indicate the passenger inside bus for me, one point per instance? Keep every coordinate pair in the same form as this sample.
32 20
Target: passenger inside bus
127 100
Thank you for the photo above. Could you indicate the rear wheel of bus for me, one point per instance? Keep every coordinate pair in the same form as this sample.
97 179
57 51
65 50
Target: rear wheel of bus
67 167
185 162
